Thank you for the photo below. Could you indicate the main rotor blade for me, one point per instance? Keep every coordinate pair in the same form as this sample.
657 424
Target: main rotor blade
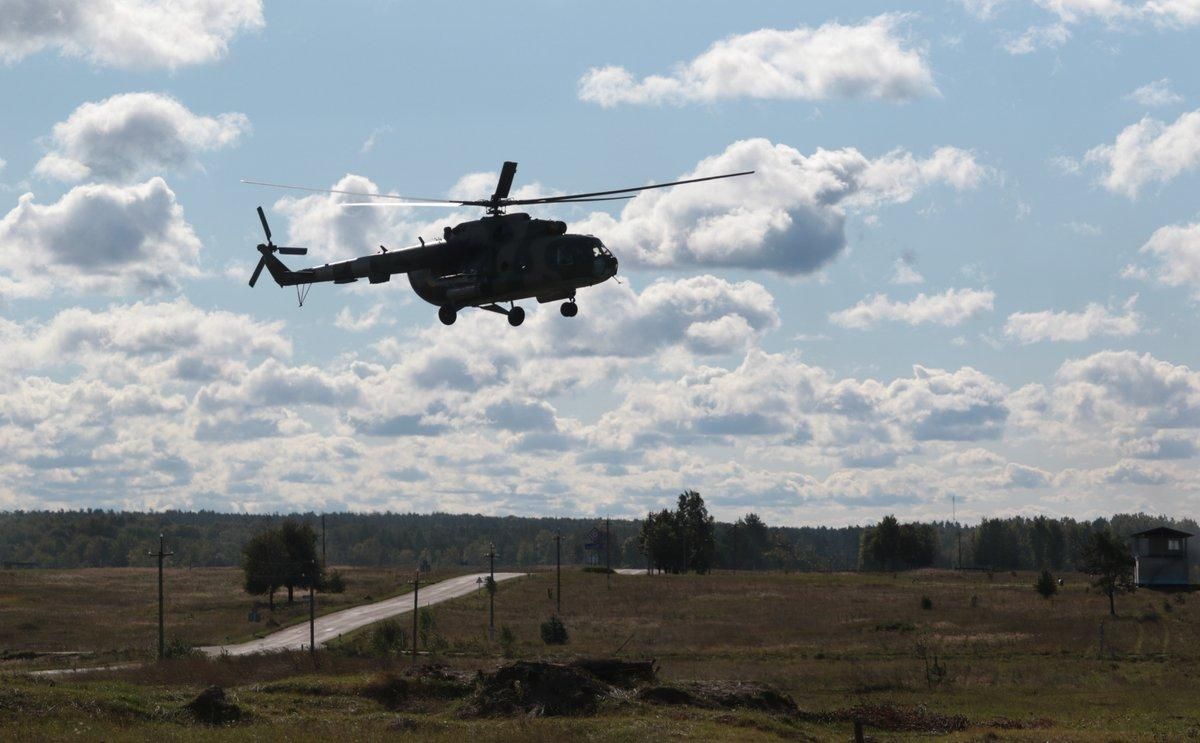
257 270
293 251
263 218
449 205
636 189
359 193
505 183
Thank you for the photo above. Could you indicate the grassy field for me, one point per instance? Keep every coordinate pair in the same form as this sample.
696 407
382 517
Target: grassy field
109 614
988 648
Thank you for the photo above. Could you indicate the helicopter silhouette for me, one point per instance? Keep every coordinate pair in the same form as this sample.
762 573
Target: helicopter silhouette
500 258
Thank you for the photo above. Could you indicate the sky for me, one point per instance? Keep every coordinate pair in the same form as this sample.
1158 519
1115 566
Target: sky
964 276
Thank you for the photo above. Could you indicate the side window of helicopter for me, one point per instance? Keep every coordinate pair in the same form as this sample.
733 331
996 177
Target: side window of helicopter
561 254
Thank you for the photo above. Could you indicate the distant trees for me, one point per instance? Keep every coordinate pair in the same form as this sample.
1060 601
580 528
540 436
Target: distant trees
1108 560
997 545
681 540
284 557
890 545
747 542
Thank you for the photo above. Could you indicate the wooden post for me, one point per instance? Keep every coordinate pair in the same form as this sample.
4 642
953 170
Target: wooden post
492 592
558 573
608 551
858 731
416 588
160 555
312 612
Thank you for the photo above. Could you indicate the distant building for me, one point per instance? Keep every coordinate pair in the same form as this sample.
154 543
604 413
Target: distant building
1162 558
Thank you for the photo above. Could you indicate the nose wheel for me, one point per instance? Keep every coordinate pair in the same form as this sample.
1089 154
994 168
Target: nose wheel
569 309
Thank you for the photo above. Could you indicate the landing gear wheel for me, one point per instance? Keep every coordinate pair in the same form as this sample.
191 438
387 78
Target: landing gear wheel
447 315
516 316
569 309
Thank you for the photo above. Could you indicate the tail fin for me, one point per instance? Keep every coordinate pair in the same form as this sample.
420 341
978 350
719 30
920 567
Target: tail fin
281 273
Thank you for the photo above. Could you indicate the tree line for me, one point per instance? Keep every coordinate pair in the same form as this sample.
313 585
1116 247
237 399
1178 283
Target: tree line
97 538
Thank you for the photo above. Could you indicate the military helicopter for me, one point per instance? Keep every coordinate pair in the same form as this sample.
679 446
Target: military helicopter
500 258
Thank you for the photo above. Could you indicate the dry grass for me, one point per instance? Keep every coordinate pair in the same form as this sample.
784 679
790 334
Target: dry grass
112 613
833 641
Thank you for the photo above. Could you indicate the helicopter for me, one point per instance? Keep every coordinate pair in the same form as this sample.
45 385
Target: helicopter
498 259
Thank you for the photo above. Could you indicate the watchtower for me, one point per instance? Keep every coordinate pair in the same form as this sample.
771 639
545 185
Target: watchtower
1162 558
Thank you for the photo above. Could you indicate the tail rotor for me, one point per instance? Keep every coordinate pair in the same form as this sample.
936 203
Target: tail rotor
269 248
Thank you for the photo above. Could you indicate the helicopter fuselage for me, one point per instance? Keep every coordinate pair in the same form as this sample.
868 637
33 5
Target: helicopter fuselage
481 263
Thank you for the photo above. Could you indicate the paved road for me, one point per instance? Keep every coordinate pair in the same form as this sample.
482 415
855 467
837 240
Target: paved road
330 626
630 571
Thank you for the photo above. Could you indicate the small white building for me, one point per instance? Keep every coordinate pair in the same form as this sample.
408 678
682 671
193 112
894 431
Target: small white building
1162 558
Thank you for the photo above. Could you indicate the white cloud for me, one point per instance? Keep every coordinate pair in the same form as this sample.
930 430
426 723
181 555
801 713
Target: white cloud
367 320
788 217
1095 320
100 238
1149 151
1169 13
132 135
869 60
982 9
1157 93
951 307
1176 249
369 143
129 34
1122 387
1084 228
1035 38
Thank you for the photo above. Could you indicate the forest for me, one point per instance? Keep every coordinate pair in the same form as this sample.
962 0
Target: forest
97 538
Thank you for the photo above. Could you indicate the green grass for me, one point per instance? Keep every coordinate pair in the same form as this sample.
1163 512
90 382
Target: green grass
832 641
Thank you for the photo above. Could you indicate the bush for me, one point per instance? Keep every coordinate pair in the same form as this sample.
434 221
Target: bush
598 569
1046 586
334 582
974 601
926 603
507 641
554 632
176 648
388 638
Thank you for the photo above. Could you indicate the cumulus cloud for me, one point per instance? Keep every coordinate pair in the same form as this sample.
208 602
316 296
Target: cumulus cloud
869 60
1157 93
789 217
1176 251
1095 320
1123 387
132 135
1149 151
951 307
97 238
128 34
346 320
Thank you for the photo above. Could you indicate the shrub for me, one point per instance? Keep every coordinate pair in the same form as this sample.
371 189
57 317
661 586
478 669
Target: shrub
388 638
176 648
507 641
1046 586
598 569
334 582
554 632
926 603
974 601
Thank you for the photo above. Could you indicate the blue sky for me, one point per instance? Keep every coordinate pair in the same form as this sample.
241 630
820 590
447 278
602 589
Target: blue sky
968 265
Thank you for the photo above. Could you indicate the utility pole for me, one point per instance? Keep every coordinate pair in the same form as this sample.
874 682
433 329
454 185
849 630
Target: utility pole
324 563
958 529
160 555
608 551
491 591
312 612
416 588
558 573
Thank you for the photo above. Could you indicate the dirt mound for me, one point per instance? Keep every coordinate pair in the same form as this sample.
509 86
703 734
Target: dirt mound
212 707
623 673
918 719
536 689
395 691
721 695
